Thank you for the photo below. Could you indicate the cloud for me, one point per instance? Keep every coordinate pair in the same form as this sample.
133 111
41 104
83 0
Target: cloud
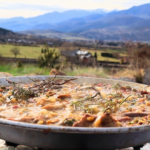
4 13
30 8
132 3
61 5
20 6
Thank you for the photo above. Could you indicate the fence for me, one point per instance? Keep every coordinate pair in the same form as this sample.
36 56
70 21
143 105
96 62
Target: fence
23 60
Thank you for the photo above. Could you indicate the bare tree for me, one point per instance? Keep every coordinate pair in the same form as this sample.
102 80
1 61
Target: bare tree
138 54
67 46
15 51
139 58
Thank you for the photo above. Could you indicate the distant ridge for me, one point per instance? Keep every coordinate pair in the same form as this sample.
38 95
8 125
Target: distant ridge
20 23
6 32
130 24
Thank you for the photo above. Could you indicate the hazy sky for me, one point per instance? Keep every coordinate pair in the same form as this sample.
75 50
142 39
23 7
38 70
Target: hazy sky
30 8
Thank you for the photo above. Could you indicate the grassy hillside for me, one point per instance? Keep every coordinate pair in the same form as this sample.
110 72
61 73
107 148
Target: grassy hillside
101 58
25 51
35 52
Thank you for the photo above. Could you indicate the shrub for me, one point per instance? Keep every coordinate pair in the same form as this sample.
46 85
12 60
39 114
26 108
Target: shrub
49 59
139 76
107 55
42 51
19 64
95 55
41 61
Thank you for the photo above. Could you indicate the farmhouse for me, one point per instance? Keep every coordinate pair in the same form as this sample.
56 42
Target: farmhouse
79 57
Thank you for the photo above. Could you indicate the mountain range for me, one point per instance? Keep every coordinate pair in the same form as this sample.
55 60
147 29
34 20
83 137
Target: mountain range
131 24
47 20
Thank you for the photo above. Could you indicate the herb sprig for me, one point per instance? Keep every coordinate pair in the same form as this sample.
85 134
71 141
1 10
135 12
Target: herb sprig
21 93
80 105
112 106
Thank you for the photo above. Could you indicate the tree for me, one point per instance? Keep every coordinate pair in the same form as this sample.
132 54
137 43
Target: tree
138 55
42 51
95 55
49 59
15 51
68 46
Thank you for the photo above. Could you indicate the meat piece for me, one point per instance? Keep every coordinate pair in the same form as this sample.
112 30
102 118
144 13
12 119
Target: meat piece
85 121
144 92
124 119
136 114
24 119
51 121
16 106
106 120
64 96
53 107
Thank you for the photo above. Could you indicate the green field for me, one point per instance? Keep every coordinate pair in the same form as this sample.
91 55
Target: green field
27 69
88 71
101 58
33 69
35 52
25 51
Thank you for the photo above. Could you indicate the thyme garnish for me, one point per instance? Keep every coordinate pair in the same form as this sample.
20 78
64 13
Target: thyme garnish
68 122
50 84
124 100
105 110
76 104
21 93
79 104
88 110
112 106
116 86
3 87
116 95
